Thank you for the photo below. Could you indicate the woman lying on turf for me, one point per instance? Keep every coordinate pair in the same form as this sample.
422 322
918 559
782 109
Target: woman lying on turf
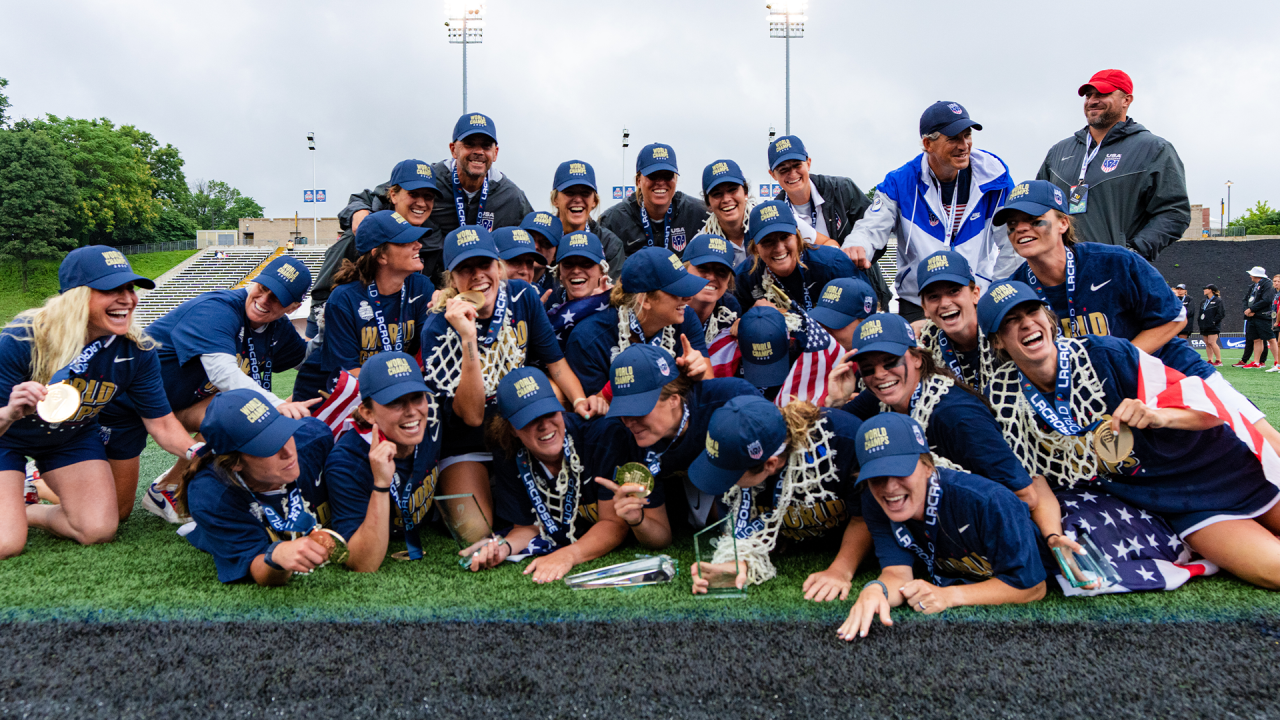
381 476
543 483
1206 478
789 471
254 491
85 337
949 297
973 538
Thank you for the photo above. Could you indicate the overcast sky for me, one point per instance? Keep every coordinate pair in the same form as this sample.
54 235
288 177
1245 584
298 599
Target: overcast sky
237 85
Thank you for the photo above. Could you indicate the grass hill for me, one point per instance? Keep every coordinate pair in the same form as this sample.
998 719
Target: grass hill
42 279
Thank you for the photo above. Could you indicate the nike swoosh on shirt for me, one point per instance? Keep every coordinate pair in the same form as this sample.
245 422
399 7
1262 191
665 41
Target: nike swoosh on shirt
517 295
963 528
412 299
1067 158
1095 288
123 359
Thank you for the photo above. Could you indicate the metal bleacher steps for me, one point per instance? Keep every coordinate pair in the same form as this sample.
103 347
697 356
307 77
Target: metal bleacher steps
207 272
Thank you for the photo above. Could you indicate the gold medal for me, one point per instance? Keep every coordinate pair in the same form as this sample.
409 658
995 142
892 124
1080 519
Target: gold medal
1112 448
474 297
60 403
635 473
333 542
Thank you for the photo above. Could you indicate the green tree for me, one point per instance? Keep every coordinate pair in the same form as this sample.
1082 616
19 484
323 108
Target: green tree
4 102
215 205
38 198
1258 215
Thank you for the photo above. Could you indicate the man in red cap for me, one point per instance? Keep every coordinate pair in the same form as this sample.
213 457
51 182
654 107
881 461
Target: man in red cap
1125 186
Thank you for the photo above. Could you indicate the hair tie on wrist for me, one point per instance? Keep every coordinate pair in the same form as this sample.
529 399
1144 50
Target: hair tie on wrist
382 489
883 587
1051 536
581 399
641 520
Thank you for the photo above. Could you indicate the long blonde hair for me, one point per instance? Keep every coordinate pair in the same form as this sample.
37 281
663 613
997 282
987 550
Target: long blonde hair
56 331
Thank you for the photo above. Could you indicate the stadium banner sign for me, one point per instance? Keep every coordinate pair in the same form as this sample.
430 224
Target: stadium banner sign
307 196
631 191
764 190
617 192
1233 343
320 196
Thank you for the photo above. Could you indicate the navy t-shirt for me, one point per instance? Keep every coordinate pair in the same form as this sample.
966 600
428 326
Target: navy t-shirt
973 530
1120 294
511 500
226 526
215 322
613 444
963 430
822 264
351 332
524 312
801 523
348 479
593 345
117 368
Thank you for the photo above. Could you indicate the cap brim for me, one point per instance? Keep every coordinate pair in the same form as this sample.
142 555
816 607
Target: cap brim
279 289
390 394
687 286
780 226
419 184
634 405
766 375
577 253
115 280
893 348
1031 208
1105 88
789 155
946 277
272 438
656 167
890 466
469 132
711 479
514 253
534 410
565 185
958 126
722 180
708 259
468 254
999 317
1250 275
833 319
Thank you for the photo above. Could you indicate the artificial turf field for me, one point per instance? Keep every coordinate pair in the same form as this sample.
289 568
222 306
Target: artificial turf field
141 628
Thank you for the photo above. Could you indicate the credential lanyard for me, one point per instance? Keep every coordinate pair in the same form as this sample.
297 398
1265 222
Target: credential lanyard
460 203
1088 156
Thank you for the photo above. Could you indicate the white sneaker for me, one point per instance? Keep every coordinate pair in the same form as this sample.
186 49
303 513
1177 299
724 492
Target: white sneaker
159 501
1274 368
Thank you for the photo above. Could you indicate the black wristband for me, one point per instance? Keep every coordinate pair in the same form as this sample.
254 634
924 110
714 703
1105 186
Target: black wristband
381 490
266 557
1050 536
641 520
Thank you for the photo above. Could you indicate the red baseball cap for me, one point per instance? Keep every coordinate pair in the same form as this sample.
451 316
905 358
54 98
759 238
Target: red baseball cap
1109 81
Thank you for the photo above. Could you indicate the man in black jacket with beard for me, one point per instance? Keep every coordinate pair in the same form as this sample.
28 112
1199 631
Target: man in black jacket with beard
1125 186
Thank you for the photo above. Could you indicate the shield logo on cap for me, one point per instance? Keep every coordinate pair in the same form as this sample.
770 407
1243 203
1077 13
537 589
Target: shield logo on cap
1057 196
867 305
677 239
919 438
755 450
1111 162
663 367
955 108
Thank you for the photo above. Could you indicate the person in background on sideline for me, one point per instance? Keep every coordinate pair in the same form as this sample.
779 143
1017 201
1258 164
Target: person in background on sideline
1275 327
1258 302
1181 291
1211 315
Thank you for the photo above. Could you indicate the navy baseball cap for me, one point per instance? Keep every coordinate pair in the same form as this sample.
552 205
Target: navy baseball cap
414 175
943 266
244 421
583 243
287 278
637 377
708 248
387 226
465 243
524 395
1034 197
844 300
770 217
721 172
545 224
787 147
512 242
475 124
766 347
575 172
885 332
889 445
946 117
655 157
999 299
742 434
655 268
100 267
389 376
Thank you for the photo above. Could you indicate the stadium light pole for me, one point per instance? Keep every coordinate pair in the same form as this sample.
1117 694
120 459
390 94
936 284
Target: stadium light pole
315 223
1229 184
787 20
626 143
466 27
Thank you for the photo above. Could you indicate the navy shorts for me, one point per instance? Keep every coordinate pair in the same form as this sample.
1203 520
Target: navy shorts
123 433
79 445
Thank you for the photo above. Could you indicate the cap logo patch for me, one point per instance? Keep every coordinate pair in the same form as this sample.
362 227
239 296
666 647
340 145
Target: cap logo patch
479 120
1000 293
424 170
663 367
719 168
1057 196
955 108
578 240
624 376
875 439
397 366
718 245
761 351
399 218
783 144
919 438
1019 191
832 294
713 447
542 219
115 258
660 153
755 450
254 410
526 387
868 305
466 237
288 272
768 212
521 237
869 328
577 168
937 263
675 261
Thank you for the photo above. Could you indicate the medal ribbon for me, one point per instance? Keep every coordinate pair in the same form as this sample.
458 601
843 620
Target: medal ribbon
949 356
263 379
81 363
804 287
1059 416
653 459
539 503
666 225
904 537
1070 286
383 334
499 318
634 324
402 492
461 204
298 518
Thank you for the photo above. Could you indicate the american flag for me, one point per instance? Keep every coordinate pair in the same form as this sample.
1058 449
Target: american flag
336 408
564 316
724 354
807 379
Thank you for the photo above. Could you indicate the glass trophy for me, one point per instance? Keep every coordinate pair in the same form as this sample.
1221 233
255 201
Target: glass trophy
644 570
635 473
1091 568
721 577
465 520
